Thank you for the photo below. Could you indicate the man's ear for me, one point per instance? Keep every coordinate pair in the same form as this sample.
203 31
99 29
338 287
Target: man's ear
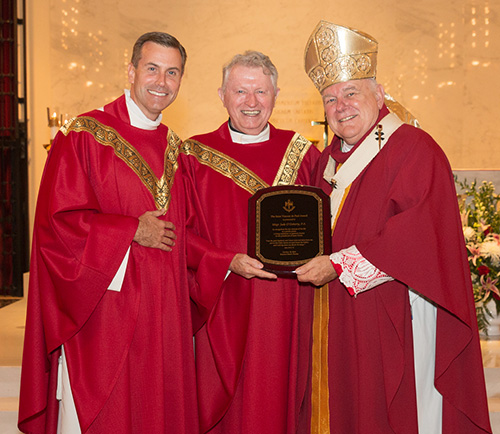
380 95
131 73
221 95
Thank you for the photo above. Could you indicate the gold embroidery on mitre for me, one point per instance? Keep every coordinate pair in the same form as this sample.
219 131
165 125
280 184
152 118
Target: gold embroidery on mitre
290 164
225 165
107 136
336 54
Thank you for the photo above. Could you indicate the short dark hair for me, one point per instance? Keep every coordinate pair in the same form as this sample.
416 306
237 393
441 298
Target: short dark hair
159 38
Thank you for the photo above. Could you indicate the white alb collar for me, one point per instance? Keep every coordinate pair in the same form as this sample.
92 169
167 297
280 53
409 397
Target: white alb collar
344 147
137 118
243 139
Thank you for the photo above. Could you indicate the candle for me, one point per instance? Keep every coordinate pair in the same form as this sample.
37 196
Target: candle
54 123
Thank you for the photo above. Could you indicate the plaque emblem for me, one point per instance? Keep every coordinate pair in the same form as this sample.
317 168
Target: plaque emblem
289 206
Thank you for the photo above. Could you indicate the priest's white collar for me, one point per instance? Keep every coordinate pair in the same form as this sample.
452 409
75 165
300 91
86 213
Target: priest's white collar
137 118
344 147
242 138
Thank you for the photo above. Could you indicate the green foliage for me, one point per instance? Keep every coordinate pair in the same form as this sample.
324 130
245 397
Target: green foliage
479 210
480 204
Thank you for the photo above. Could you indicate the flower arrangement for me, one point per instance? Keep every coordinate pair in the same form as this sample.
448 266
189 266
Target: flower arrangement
480 213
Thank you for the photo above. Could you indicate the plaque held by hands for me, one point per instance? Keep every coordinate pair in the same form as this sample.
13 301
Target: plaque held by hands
288 225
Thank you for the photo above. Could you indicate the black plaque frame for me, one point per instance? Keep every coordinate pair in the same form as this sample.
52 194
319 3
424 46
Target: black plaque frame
288 225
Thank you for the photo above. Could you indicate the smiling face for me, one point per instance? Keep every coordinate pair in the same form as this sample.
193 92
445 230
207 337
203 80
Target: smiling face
249 97
352 108
156 80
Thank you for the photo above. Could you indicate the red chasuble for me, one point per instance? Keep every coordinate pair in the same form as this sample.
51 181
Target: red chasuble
402 214
253 355
130 353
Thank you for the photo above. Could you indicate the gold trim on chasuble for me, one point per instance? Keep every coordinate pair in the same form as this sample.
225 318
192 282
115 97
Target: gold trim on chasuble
289 168
242 176
320 394
107 136
225 165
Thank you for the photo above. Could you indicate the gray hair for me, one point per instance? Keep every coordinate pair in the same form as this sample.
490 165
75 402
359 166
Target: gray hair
159 38
373 83
252 59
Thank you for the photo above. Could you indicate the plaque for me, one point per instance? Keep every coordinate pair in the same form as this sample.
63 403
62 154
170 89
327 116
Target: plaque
287 226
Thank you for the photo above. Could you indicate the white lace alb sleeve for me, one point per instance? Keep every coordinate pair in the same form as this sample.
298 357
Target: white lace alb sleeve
357 273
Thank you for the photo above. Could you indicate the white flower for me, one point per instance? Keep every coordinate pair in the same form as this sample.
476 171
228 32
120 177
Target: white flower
490 248
469 233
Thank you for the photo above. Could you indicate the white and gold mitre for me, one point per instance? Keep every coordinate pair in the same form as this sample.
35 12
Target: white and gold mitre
335 54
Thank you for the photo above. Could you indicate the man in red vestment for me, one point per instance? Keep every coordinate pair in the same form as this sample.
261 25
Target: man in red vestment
401 337
108 344
253 355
